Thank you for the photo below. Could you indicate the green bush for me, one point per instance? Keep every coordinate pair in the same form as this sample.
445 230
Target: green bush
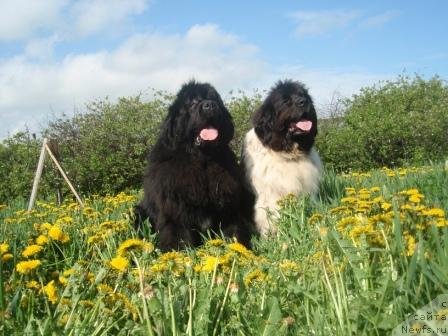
241 108
104 148
397 123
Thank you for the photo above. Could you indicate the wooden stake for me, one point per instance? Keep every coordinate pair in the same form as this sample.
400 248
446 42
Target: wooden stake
64 175
40 167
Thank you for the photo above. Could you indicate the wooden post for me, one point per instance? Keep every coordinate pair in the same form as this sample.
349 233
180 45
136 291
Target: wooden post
54 148
64 175
40 167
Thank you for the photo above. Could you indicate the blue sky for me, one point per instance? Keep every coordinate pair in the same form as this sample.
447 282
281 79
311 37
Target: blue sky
56 55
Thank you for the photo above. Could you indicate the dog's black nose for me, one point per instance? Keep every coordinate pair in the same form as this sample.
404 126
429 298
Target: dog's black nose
208 105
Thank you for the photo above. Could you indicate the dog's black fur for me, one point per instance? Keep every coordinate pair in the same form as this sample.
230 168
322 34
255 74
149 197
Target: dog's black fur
287 103
192 186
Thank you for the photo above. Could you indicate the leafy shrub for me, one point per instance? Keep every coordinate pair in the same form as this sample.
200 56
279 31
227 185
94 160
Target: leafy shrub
397 123
104 150
19 155
241 108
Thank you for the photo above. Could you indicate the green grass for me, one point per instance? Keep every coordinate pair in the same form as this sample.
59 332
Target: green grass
315 277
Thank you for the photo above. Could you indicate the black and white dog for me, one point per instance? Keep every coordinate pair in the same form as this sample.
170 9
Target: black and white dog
278 153
193 184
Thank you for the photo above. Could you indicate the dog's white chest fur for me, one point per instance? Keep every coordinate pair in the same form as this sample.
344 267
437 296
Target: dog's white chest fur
274 175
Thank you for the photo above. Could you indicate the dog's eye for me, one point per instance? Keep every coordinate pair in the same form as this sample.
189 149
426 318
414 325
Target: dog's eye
194 102
300 101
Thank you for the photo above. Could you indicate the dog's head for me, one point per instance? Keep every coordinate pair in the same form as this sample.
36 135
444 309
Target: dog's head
286 118
198 118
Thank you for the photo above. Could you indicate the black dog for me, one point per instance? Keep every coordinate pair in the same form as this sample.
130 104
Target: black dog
193 184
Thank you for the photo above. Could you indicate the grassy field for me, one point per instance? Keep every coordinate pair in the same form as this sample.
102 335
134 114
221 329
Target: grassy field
371 249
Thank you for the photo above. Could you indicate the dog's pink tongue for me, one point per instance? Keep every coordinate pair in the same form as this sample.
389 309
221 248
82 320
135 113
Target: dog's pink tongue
304 125
208 134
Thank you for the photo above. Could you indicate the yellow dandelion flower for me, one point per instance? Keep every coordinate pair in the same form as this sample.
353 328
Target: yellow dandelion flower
31 250
42 240
26 267
86 303
349 200
375 189
45 227
416 198
350 191
419 208
104 288
237 247
407 207
63 280
441 222
289 265
364 196
172 256
410 192
57 234
317 217
173 261
215 242
33 284
51 292
289 198
434 212
88 210
134 244
255 276
364 205
4 248
209 264
402 172
119 263
386 206
410 244
64 220
107 225
346 221
7 257
68 272
378 199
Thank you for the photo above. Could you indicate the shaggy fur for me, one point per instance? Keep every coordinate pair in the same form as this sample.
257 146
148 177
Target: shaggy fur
278 153
193 185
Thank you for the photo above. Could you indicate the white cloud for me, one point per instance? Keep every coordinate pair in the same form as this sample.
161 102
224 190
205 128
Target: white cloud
24 19
41 48
92 16
315 23
33 90
20 19
318 23
380 19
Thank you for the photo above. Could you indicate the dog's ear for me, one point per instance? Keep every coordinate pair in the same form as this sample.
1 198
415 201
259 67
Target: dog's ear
313 117
169 130
263 121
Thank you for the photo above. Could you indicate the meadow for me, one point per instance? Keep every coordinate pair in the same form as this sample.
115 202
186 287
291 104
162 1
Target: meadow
371 249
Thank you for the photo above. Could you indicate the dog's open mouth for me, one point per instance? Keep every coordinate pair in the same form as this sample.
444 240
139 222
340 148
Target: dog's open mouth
301 127
208 134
